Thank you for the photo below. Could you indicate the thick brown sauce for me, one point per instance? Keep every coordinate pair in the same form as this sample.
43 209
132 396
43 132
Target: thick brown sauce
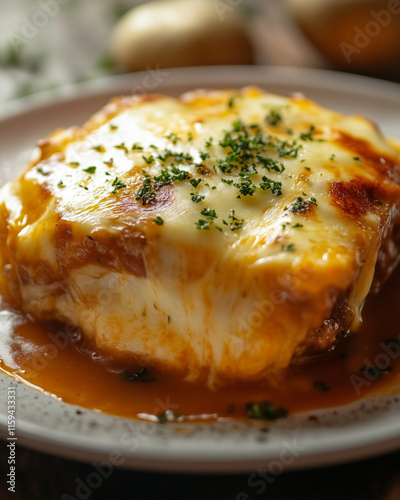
52 360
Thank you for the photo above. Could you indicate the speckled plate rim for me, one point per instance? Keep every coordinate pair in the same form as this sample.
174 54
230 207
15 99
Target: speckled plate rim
323 437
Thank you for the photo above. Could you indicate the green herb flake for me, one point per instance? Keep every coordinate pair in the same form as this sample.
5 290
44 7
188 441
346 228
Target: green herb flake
307 136
43 172
197 198
138 376
274 118
117 184
392 341
158 220
148 160
121 146
173 138
90 170
374 371
203 224
288 247
109 162
100 149
204 155
322 386
195 182
231 102
209 213
265 411
301 205
169 416
61 183
136 147
357 158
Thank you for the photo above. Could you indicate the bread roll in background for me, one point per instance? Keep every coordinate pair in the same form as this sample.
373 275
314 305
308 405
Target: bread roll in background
360 36
174 33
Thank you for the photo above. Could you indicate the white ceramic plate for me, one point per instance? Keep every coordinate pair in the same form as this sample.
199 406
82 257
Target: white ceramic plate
350 432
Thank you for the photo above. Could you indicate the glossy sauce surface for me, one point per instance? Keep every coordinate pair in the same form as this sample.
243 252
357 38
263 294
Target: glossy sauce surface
54 359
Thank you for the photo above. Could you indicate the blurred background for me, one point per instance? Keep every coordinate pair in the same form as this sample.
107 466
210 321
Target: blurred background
47 43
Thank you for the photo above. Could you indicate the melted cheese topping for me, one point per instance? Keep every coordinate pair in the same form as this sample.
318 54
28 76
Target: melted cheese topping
215 235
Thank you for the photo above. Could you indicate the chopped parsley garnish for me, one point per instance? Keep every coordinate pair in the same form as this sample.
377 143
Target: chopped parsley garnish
289 247
246 187
99 148
392 341
121 146
90 170
151 185
109 162
265 411
43 172
61 183
357 158
204 155
113 127
273 118
158 220
169 416
301 205
74 163
195 182
332 157
209 142
203 224
307 136
322 386
209 213
196 198
176 156
173 138
231 101
235 223
297 225
117 184
136 147
374 371
137 376
274 186
148 160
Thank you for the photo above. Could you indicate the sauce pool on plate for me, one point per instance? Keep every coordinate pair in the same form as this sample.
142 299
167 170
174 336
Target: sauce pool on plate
54 359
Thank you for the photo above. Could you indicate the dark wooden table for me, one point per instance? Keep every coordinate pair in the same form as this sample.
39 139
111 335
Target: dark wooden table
46 477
